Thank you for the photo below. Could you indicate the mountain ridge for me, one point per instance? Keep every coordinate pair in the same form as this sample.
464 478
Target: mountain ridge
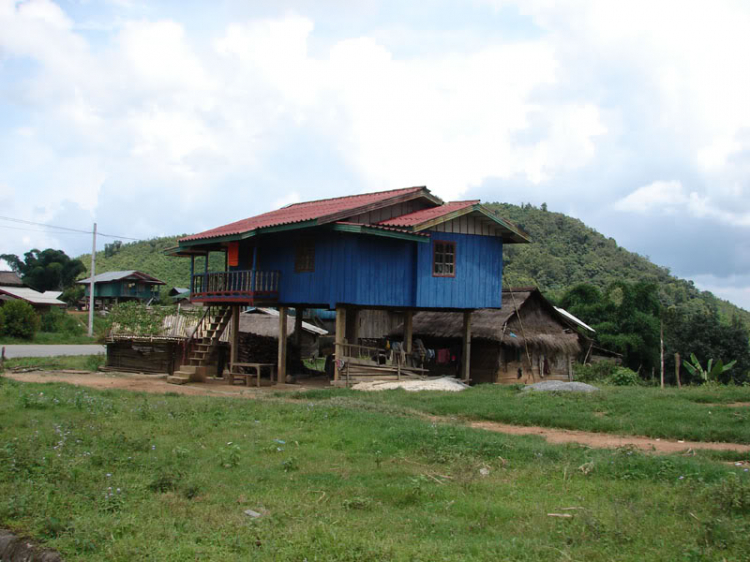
564 252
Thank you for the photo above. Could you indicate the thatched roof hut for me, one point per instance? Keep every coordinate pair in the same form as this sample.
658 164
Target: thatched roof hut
528 336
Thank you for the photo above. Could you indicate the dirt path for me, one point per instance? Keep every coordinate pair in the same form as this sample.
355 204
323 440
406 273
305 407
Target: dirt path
608 440
158 385
154 384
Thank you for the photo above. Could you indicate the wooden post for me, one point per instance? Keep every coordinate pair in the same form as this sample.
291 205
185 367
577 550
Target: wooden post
408 330
235 351
466 355
351 332
298 326
677 364
282 344
340 335
661 347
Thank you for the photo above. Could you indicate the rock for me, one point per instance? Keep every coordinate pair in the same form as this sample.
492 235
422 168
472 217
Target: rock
253 514
560 386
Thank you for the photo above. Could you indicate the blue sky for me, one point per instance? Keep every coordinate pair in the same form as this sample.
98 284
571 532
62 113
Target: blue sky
157 118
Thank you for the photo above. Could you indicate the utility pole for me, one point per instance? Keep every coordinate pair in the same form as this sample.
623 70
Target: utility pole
91 287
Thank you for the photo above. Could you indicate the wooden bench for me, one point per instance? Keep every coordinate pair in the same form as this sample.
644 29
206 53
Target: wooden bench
245 377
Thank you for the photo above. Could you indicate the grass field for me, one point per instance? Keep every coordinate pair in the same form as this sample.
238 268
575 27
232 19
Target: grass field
123 476
691 413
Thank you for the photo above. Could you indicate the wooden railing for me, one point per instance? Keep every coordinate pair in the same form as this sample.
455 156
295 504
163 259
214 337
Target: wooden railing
236 285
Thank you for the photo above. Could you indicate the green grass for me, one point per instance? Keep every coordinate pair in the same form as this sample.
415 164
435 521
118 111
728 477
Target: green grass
78 362
671 413
122 476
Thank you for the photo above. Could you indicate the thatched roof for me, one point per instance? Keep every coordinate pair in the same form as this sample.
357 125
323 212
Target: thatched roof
539 324
10 279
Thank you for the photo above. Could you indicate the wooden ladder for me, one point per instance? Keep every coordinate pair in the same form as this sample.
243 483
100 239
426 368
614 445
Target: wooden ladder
207 334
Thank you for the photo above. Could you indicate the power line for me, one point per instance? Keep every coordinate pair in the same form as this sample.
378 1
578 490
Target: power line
35 230
63 228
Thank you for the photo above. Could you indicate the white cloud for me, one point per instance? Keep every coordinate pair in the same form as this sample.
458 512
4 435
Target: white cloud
671 197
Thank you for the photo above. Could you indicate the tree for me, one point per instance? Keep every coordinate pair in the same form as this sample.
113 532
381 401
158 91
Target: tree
19 319
48 270
625 317
689 330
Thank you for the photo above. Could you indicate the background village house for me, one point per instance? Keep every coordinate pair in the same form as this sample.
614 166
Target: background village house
113 287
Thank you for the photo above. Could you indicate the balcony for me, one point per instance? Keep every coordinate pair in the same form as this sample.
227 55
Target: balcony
238 287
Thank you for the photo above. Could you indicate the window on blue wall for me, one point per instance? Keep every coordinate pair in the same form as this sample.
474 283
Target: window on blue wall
304 258
444 259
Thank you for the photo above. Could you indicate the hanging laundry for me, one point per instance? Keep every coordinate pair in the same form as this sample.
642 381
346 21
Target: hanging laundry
443 355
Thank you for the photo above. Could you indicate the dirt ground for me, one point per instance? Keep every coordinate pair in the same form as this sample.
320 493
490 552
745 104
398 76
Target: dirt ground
157 384
607 440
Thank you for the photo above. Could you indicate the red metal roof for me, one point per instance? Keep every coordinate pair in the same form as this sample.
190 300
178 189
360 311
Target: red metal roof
300 212
419 217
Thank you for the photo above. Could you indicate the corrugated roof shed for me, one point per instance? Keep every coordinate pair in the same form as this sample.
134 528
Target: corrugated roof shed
31 296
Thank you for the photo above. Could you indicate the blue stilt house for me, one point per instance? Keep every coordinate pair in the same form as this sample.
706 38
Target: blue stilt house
403 249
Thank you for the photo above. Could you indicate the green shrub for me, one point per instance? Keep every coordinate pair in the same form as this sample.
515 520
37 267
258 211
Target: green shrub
19 319
594 372
93 362
623 376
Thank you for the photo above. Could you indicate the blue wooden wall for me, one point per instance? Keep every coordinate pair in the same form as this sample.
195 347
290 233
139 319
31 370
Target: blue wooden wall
379 271
479 273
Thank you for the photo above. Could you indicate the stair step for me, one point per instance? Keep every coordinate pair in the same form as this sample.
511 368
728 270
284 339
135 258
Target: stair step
175 379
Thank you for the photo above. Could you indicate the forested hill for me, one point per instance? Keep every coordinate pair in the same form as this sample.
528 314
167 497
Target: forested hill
147 256
563 252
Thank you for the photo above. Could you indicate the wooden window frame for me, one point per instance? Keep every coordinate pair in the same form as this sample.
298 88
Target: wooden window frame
445 243
304 256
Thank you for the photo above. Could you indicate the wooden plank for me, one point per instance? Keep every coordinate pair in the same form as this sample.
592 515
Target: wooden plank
282 344
466 358
298 312
340 336
408 330
235 350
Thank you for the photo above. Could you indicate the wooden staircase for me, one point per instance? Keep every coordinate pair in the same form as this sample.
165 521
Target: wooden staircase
201 345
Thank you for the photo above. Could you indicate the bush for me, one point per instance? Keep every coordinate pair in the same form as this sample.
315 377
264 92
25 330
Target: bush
623 376
58 321
19 319
594 372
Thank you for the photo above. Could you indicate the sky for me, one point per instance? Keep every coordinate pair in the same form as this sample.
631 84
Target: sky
160 118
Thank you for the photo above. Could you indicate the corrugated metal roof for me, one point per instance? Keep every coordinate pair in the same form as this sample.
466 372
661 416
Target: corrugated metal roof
30 295
301 212
119 275
572 318
419 217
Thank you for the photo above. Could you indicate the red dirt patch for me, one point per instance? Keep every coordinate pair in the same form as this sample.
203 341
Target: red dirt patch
155 384
608 441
